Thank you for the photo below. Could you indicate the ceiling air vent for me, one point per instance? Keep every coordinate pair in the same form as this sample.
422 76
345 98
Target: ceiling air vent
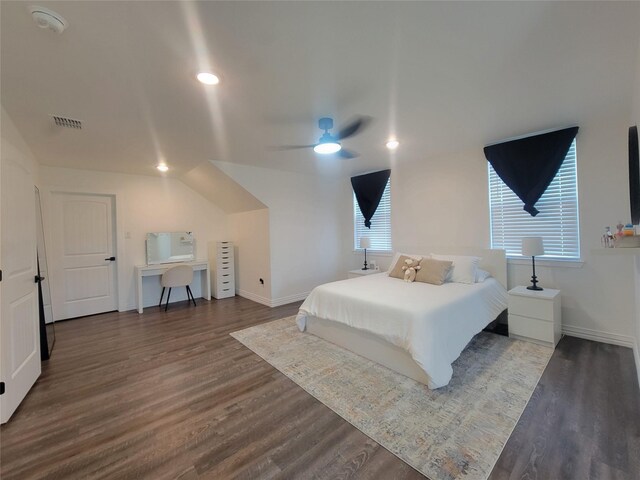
67 122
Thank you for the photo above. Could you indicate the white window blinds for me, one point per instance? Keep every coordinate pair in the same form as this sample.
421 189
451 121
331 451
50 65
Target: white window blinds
380 231
557 221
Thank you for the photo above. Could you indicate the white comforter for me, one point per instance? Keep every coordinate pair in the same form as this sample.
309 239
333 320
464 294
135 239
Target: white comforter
433 323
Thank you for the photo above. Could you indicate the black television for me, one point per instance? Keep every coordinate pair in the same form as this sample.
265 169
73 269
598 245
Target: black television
634 175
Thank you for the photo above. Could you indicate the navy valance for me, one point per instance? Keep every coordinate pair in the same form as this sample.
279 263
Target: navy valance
528 165
369 189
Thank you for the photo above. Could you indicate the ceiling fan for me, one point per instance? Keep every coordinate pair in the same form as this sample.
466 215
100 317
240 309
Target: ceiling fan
328 143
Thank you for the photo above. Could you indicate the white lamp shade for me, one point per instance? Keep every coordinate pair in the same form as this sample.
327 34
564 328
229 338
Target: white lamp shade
365 242
532 246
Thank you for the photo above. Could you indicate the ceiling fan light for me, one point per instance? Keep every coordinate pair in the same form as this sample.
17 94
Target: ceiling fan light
328 147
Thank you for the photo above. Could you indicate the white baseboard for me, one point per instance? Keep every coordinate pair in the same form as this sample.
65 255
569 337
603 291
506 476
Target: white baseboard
598 336
276 302
254 297
249 296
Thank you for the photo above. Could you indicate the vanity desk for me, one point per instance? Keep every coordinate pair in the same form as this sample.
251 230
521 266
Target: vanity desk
201 266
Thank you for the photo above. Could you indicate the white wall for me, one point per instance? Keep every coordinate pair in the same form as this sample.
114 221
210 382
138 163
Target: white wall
250 234
13 144
636 349
635 116
304 223
444 201
144 204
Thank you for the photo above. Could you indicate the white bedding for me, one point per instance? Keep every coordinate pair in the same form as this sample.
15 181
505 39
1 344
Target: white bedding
432 323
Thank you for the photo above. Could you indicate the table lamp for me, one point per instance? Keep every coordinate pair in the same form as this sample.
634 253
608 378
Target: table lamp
533 247
365 242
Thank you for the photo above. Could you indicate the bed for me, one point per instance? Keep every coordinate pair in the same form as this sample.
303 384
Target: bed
416 329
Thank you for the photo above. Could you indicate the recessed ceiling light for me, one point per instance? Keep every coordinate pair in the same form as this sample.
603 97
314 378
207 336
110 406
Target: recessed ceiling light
393 144
208 78
162 167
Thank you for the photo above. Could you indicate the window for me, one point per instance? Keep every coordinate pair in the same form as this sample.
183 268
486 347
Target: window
380 231
557 221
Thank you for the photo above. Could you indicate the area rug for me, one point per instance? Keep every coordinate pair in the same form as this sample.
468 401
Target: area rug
454 432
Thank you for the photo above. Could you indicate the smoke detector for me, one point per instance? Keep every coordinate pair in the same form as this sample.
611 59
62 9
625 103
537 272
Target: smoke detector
49 19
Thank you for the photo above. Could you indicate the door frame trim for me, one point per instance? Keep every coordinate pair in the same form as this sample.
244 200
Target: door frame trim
119 238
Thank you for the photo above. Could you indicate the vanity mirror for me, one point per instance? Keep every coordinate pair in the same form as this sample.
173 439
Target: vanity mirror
170 247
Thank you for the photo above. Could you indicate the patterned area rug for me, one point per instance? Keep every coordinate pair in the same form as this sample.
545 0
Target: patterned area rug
454 432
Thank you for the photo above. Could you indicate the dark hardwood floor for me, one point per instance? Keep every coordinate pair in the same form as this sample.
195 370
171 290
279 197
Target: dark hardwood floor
172 395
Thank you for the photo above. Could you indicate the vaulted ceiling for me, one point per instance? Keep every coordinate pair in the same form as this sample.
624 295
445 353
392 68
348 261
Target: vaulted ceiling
442 76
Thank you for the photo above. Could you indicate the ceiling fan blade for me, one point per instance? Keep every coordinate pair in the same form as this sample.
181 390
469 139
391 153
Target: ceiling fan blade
344 153
281 148
354 127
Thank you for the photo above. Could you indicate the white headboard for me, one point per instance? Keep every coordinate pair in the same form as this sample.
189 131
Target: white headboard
493 261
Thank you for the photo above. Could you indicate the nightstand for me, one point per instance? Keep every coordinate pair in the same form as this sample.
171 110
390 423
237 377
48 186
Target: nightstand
362 273
535 315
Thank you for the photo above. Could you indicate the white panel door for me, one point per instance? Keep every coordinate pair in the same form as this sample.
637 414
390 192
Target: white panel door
19 327
84 276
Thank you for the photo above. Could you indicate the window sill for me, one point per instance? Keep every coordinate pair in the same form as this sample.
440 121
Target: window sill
378 253
555 263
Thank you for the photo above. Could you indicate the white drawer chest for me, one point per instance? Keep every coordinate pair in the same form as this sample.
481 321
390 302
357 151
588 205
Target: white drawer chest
223 277
535 315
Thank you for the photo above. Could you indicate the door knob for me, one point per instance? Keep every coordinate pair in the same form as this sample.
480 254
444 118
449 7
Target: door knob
38 278
110 259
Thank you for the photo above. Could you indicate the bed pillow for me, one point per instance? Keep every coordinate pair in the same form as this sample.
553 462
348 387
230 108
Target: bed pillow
481 275
464 267
397 256
433 271
396 268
